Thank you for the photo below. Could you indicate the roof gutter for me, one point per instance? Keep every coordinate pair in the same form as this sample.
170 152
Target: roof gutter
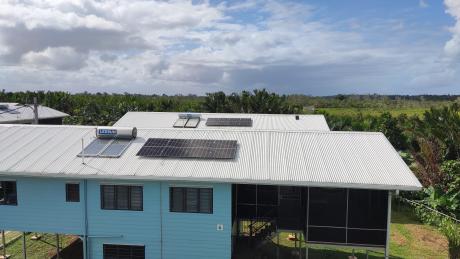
221 180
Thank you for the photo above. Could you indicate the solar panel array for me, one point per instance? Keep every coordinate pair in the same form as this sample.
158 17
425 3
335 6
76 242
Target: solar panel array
229 122
187 122
105 148
189 148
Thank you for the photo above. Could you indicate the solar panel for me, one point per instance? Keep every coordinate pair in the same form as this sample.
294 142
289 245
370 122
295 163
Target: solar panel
95 147
180 123
189 148
105 148
116 148
229 122
192 123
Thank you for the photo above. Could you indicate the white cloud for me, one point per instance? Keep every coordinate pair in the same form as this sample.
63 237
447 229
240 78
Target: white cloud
452 47
63 58
194 47
423 4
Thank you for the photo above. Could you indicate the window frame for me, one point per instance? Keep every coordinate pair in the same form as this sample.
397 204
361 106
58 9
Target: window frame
117 246
115 197
184 200
68 197
3 188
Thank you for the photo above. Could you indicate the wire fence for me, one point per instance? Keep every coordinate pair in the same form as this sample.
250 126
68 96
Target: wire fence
38 245
416 204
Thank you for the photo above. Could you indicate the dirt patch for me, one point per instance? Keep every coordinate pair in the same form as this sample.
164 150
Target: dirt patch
425 237
398 238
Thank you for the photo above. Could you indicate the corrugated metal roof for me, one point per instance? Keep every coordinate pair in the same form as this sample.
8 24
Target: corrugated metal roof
17 113
311 158
260 121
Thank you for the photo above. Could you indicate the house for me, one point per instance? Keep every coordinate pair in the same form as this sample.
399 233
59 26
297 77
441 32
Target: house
170 185
14 113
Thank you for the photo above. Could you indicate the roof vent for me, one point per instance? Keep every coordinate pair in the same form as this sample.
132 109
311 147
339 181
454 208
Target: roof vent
297 117
116 132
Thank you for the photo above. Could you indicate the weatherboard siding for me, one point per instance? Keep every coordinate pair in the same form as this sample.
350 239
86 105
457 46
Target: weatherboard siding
195 235
124 226
42 207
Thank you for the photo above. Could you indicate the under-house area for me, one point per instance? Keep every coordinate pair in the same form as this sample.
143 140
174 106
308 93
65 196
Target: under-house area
313 215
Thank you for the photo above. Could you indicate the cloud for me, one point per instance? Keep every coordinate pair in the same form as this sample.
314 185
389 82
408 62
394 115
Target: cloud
197 46
62 58
452 47
423 4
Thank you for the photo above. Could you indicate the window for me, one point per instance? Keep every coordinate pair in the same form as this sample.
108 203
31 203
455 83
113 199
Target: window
194 200
121 197
72 192
8 193
124 252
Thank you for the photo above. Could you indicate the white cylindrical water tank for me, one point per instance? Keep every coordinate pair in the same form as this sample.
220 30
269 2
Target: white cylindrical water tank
116 132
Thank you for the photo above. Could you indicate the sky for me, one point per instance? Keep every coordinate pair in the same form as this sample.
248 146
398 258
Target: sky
311 47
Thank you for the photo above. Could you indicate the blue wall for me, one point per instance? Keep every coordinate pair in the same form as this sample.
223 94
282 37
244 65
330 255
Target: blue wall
42 208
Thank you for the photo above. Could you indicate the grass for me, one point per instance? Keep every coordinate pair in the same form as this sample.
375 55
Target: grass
372 111
45 247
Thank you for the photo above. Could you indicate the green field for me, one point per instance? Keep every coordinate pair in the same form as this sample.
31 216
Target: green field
372 111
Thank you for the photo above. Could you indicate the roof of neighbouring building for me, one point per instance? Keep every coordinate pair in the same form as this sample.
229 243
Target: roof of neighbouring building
282 157
19 113
260 121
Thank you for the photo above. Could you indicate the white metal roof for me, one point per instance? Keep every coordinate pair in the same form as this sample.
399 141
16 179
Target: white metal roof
304 158
17 113
260 121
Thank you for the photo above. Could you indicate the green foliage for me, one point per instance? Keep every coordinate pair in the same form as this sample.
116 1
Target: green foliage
259 101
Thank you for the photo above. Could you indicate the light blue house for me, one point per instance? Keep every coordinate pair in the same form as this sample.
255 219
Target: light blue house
199 186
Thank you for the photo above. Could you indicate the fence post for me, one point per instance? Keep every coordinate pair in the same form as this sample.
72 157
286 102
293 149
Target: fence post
24 248
4 244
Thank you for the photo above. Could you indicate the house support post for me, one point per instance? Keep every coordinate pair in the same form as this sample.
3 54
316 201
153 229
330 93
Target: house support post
3 244
300 246
57 246
277 244
387 245
24 250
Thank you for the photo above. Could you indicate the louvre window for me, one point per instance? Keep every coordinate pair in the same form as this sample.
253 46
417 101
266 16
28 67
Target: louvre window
193 200
124 252
72 192
121 197
8 193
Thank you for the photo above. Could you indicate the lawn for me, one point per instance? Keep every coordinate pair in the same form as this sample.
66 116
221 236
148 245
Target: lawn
45 247
372 111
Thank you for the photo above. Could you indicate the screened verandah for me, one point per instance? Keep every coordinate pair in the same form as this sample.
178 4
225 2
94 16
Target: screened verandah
263 214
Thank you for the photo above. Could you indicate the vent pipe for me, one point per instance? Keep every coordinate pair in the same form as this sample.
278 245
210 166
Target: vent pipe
297 117
35 110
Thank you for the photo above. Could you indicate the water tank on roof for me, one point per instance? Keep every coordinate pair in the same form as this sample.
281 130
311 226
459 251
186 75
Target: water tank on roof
116 132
